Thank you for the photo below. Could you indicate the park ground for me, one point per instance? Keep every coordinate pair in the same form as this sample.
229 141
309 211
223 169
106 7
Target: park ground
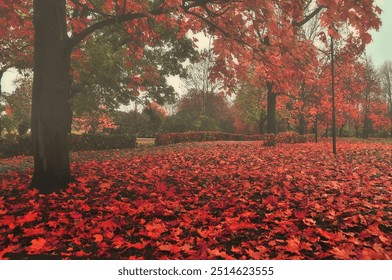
209 200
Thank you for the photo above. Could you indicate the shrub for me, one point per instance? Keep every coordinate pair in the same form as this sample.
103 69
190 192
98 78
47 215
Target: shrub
269 140
290 137
101 141
310 137
269 136
13 145
199 136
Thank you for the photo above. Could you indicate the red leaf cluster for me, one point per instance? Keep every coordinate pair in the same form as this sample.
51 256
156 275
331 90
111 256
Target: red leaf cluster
210 200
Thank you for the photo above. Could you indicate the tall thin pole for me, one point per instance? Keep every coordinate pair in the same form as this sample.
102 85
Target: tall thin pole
333 98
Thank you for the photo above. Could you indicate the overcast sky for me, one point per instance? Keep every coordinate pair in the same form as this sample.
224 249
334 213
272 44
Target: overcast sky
380 49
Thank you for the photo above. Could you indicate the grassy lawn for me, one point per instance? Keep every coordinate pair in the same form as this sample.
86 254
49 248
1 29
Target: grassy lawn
211 200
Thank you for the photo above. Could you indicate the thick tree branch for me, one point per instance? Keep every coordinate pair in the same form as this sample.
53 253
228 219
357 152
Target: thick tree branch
131 16
308 17
119 19
202 3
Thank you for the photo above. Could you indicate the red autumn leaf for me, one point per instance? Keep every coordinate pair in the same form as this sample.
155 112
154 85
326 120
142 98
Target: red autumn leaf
8 221
237 250
300 214
217 253
108 225
334 237
343 253
29 217
105 185
170 248
161 186
203 233
98 238
385 239
254 255
52 223
36 245
76 215
5 251
76 240
155 228
138 246
309 222
34 231
81 253
293 245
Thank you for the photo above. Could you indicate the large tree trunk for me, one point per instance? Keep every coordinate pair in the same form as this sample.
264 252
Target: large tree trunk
51 113
271 109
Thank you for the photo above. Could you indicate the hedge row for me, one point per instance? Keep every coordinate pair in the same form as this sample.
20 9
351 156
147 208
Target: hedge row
102 141
269 139
290 137
13 145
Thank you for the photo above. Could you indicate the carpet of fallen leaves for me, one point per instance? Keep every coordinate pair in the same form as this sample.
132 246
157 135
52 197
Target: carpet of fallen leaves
213 200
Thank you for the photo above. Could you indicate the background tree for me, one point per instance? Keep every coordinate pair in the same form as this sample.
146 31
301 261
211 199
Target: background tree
98 121
204 106
385 73
106 73
15 37
370 93
4 111
249 107
15 108
154 116
19 102
203 112
276 48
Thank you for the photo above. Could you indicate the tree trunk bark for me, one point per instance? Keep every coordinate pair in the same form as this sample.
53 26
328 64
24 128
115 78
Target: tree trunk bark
271 109
366 128
51 114
390 132
261 123
341 129
1 77
301 124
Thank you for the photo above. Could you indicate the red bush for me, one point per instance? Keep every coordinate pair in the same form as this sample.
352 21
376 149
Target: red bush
310 137
200 136
290 137
270 139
